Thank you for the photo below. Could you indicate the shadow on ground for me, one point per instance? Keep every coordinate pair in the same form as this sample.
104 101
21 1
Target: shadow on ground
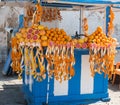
11 95
10 89
114 87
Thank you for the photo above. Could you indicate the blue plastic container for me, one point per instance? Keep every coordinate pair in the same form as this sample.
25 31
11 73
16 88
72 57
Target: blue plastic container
81 89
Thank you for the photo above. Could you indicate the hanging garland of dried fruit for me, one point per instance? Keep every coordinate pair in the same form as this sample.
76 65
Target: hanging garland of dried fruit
110 24
60 61
16 55
51 14
29 43
102 53
60 56
85 26
43 14
28 15
37 14
30 47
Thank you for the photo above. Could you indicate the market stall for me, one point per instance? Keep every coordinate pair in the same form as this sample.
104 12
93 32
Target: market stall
59 69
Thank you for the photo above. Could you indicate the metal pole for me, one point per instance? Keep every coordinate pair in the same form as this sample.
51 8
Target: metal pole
81 18
80 22
107 18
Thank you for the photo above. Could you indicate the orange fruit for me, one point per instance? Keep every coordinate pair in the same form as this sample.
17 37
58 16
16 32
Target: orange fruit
60 36
54 39
51 34
48 32
58 39
94 40
44 38
98 40
46 28
62 39
64 42
49 38
64 36
42 32
56 36
58 32
56 29
52 30
96 37
47 35
23 30
61 42
69 38
44 43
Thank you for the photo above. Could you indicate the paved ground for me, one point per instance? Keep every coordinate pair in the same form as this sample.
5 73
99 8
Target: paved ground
114 94
11 92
